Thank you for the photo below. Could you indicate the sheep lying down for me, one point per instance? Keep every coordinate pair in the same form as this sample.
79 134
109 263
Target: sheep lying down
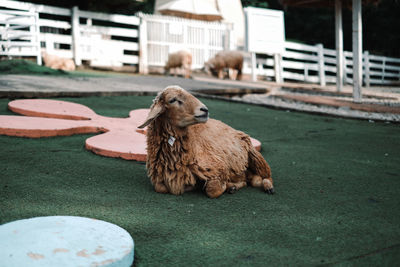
185 148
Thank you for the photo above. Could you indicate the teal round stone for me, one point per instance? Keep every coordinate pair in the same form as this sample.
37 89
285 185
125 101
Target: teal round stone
64 241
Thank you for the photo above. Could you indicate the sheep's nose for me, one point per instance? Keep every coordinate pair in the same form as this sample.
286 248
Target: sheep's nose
204 109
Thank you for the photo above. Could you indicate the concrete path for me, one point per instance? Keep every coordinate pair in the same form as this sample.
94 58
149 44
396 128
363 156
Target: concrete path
379 103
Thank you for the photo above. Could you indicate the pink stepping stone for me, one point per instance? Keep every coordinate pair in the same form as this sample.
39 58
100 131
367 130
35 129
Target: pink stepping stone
119 137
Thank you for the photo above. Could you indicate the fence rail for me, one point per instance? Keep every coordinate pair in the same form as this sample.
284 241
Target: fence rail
316 64
96 39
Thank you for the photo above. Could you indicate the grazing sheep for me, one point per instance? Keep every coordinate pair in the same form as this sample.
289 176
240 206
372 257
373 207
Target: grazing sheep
59 63
225 60
185 147
182 60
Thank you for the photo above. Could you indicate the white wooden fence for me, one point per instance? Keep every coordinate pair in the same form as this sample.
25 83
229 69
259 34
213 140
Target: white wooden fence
96 39
141 41
162 35
20 34
316 64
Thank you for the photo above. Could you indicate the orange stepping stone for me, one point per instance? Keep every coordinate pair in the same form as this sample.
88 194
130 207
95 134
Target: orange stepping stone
119 137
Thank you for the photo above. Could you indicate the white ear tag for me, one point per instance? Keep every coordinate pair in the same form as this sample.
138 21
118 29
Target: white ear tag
171 140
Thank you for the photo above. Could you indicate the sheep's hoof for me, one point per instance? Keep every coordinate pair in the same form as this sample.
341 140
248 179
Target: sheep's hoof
270 191
189 188
268 187
232 189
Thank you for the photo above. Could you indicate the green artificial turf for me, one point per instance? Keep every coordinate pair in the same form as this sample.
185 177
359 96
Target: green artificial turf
20 66
337 195
27 67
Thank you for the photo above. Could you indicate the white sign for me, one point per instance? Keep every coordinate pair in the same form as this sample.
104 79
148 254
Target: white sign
265 30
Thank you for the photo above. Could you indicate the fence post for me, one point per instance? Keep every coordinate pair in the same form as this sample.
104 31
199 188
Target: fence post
278 68
357 50
366 68
6 36
75 35
206 52
37 37
321 65
253 67
344 70
143 59
231 39
306 73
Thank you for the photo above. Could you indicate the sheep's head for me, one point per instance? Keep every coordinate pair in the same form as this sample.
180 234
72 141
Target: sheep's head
179 107
209 66
213 65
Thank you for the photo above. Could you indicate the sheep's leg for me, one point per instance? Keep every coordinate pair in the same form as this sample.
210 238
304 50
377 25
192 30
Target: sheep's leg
266 183
220 74
233 74
215 188
259 172
233 187
239 74
160 188
187 72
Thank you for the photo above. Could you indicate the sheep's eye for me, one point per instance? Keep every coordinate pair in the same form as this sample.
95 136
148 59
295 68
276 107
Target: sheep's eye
173 100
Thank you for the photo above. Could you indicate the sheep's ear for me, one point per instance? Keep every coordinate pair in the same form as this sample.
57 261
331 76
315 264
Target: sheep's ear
156 109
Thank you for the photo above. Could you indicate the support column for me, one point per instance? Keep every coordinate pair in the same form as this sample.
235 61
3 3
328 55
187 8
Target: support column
75 36
357 51
339 45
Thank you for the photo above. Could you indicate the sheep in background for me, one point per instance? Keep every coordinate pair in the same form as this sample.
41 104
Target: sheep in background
231 60
179 60
56 62
185 147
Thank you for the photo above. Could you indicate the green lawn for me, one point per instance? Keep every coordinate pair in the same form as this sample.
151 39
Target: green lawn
337 195
20 66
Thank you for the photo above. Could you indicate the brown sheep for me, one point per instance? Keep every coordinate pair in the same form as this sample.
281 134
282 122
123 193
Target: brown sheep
225 60
56 62
184 147
179 60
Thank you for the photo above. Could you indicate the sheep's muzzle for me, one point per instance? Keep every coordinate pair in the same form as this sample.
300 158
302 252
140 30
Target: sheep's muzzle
202 116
